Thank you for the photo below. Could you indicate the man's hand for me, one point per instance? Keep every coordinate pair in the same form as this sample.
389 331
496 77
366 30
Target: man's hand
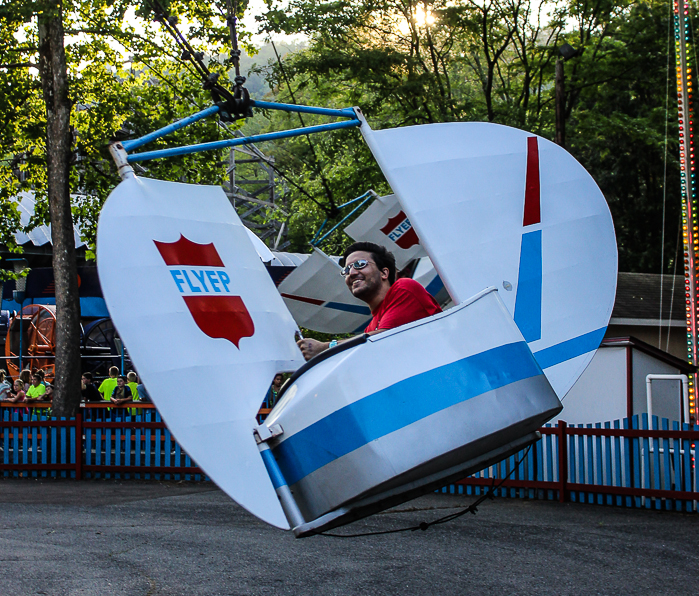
312 347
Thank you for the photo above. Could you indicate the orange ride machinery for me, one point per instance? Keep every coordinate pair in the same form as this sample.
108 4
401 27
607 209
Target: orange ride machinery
33 333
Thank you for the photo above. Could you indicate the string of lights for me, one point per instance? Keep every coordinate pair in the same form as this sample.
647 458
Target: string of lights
690 221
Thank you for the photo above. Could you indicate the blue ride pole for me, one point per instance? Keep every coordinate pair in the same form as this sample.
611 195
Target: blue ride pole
285 134
166 130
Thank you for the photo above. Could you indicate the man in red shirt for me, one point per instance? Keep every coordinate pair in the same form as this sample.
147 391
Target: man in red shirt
370 274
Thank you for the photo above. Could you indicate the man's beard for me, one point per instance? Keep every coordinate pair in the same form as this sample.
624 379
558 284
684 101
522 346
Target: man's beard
367 290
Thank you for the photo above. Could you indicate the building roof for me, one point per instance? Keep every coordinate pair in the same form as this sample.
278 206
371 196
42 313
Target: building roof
41 235
634 342
638 298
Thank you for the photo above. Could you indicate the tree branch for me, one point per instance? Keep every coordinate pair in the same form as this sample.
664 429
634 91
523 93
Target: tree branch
19 65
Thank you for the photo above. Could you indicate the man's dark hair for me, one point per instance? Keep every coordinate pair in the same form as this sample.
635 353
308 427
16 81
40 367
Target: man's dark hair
88 376
122 377
383 258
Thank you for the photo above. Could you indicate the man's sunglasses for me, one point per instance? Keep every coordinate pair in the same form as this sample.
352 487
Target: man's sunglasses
358 265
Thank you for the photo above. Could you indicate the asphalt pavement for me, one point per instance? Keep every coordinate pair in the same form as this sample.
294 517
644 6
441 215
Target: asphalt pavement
105 537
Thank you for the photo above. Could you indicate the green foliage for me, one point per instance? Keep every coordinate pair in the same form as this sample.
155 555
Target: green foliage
125 80
617 129
489 60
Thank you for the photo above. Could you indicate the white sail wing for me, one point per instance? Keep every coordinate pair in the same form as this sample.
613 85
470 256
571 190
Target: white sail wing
494 205
202 321
385 223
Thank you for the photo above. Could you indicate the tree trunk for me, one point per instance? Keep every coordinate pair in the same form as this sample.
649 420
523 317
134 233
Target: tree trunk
560 104
54 82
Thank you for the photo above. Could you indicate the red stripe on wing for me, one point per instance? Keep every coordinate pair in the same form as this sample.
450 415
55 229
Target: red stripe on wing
532 192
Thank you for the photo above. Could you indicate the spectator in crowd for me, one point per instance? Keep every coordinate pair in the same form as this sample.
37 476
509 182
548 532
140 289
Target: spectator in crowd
46 397
132 382
26 377
18 394
108 385
274 390
36 391
42 375
122 392
89 391
5 387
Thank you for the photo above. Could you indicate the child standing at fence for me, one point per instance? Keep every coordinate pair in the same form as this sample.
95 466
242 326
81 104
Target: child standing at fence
89 391
26 377
132 382
37 390
108 385
121 393
5 387
18 396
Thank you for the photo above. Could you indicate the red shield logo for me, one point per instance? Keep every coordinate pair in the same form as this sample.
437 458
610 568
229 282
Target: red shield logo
401 231
218 315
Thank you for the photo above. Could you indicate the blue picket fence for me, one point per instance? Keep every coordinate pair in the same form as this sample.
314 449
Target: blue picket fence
100 442
621 463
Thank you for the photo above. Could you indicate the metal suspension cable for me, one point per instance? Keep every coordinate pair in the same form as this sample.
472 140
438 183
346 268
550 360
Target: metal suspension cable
333 208
196 59
190 57
254 148
662 229
231 19
473 508
188 53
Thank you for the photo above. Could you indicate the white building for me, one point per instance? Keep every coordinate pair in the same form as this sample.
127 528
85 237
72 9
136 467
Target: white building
638 342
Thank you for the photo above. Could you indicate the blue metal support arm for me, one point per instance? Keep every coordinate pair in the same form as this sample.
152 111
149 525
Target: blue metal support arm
368 193
318 233
288 107
136 143
343 220
271 136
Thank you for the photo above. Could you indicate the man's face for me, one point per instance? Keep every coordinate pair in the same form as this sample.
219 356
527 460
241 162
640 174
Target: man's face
121 382
363 283
85 381
36 381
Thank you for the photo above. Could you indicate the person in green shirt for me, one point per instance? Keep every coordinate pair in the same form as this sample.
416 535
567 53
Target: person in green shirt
37 389
132 382
107 386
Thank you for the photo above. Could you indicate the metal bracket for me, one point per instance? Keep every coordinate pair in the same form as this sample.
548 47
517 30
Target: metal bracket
263 433
120 158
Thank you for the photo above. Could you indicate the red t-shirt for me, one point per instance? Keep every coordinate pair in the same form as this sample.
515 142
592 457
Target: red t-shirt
405 302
